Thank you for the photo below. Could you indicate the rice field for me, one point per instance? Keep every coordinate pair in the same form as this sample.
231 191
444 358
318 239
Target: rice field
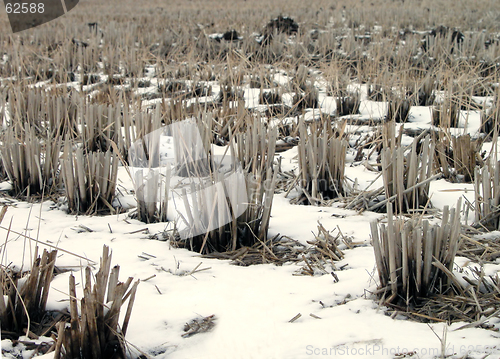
330 157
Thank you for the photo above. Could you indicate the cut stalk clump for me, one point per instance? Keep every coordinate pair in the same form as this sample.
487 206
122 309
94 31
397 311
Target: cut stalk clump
458 159
24 299
398 110
94 331
31 163
415 259
322 154
304 100
423 95
407 177
99 125
377 92
89 179
348 104
490 119
151 180
234 209
487 196
446 115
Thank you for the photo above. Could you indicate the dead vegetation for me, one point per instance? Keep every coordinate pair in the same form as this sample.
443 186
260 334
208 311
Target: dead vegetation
414 258
407 176
322 152
94 330
104 97
24 310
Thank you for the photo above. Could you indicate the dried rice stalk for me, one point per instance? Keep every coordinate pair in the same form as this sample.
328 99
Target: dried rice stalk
96 333
89 179
407 178
31 164
321 162
414 258
24 308
487 196
231 212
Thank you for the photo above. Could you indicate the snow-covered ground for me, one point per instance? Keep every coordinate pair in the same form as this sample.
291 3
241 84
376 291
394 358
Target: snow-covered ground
253 306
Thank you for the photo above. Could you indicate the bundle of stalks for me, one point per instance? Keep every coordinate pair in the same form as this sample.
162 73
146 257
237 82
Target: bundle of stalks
348 104
398 110
423 94
321 162
62 115
51 115
487 196
414 258
490 119
304 100
269 98
446 114
99 125
347 101
31 163
377 92
24 310
255 150
151 194
151 179
94 331
234 211
3 174
89 179
138 125
262 79
458 162
407 178
26 107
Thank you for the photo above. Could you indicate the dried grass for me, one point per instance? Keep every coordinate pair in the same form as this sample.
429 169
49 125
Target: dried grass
94 330
322 153
89 179
407 176
24 310
414 258
487 196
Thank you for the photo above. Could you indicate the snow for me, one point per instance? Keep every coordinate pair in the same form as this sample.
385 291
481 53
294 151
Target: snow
253 306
